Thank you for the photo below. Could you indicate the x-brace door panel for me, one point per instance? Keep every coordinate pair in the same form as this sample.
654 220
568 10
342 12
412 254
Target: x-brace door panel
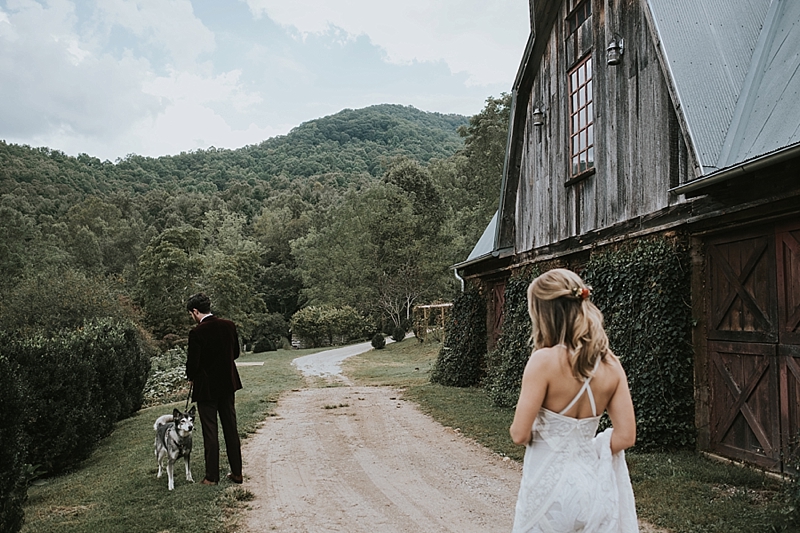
741 288
744 402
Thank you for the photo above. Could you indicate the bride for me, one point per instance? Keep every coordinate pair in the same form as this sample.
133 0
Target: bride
572 480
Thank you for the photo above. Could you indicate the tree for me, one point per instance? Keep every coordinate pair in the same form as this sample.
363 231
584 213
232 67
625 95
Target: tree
380 253
168 273
472 177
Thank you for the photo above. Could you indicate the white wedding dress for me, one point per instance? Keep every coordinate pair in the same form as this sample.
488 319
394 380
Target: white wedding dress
570 480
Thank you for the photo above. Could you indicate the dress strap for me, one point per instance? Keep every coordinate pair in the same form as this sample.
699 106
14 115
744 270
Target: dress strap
586 387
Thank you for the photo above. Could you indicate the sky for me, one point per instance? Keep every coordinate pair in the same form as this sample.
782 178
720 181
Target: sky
111 78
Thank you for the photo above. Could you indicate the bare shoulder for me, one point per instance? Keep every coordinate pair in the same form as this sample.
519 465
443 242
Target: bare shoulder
543 359
614 365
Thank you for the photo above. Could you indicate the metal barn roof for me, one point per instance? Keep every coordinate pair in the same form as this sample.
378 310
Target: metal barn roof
708 47
734 66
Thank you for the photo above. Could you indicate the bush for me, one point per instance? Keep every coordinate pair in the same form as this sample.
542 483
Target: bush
398 334
792 486
462 360
378 342
166 381
76 386
319 325
264 344
270 327
13 489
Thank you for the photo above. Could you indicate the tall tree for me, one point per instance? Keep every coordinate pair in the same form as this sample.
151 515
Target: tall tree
382 251
473 176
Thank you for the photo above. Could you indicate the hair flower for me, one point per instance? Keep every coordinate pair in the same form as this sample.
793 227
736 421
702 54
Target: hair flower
582 293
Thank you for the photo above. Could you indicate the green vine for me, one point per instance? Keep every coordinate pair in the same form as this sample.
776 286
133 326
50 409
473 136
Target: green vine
461 361
644 293
643 290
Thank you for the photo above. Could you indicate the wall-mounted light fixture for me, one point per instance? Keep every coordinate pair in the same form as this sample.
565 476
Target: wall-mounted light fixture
537 117
615 49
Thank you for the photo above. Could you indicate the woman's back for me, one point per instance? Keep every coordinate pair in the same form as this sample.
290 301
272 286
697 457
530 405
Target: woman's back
562 385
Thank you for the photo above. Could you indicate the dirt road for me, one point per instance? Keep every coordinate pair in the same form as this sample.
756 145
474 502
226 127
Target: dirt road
362 460
358 459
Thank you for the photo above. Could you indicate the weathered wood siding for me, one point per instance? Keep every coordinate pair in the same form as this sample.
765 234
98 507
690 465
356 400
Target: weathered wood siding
639 148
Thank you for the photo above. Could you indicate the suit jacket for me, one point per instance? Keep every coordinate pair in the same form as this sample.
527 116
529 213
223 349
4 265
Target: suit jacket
213 348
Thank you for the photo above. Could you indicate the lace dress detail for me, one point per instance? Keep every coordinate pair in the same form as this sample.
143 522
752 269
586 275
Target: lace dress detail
569 481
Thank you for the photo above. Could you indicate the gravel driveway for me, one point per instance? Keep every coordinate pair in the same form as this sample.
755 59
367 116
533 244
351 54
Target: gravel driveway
362 460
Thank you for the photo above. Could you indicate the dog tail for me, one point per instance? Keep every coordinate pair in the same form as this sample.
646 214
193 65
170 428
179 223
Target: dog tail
162 420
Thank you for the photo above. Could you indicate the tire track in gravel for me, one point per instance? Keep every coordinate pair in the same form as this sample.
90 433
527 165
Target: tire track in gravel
358 459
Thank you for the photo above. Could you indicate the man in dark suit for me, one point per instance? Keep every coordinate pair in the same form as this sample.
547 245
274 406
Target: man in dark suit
210 367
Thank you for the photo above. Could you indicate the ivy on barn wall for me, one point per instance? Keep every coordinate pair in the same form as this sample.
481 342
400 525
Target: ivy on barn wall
644 292
462 358
643 289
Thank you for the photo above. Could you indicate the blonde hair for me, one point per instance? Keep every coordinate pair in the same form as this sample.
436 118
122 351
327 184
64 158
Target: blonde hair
561 313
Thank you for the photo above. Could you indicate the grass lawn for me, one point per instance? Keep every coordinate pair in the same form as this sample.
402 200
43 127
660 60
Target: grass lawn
681 492
116 490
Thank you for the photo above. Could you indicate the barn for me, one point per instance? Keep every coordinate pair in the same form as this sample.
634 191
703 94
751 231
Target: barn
635 118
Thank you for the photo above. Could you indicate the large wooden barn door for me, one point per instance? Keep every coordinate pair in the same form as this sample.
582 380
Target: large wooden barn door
742 348
753 295
788 248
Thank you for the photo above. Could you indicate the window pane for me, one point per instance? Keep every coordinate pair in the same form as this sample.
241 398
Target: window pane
589 66
583 118
589 91
575 165
590 112
590 157
590 134
575 102
582 144
575 126
581 76
582 94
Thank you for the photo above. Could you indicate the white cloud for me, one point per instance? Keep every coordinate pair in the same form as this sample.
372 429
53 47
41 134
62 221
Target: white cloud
53 81
167 24
188 125
195 89
483 38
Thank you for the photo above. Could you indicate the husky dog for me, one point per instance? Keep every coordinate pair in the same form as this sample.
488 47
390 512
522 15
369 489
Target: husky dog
173 441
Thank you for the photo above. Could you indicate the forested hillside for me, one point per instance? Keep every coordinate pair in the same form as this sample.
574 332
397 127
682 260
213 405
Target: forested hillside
336 230
339 211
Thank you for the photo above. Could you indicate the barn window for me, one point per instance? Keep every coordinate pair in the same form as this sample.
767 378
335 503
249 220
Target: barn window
579 11
581 116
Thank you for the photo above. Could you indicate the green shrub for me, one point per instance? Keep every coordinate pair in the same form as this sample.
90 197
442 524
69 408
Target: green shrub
272 327
507 362
264 344
644 292
76 385
398 334
792 486
462 359
13 490
166 381
319 325
378 342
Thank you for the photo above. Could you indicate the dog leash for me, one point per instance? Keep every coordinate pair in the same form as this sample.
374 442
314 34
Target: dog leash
191 386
